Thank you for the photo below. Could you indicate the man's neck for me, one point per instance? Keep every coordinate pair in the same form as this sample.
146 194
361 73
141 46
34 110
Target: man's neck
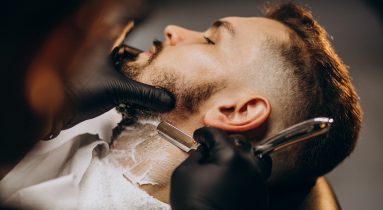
148 160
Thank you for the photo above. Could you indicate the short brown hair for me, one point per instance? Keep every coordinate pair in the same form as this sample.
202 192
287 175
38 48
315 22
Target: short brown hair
326 87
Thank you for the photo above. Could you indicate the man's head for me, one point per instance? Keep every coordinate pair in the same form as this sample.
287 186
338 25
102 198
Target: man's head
258 76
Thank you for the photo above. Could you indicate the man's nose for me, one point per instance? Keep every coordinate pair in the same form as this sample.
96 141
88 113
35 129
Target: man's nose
175 35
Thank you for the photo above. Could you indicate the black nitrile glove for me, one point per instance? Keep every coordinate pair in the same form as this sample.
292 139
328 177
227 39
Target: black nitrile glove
222 173
94 91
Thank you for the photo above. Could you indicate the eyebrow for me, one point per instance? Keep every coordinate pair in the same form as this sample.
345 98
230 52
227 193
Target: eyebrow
225 24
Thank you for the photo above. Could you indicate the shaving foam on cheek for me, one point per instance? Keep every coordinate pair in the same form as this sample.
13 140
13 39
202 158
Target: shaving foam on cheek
146 157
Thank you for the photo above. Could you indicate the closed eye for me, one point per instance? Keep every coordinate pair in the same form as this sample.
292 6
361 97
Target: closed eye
209 41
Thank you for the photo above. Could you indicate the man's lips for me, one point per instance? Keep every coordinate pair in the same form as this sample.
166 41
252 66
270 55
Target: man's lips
149 54
151 51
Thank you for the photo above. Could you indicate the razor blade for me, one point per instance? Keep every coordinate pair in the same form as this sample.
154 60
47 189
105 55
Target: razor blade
177 137
300 132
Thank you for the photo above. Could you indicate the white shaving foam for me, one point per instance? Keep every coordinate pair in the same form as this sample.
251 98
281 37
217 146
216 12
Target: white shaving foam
139 156
104 187
147 157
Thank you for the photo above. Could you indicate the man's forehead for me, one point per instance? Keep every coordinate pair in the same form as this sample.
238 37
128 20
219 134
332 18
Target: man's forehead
258 25
252 36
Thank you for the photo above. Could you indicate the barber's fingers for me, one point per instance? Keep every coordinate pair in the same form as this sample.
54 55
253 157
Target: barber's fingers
211 137
125 90
264 164
240 142
196 157
217 143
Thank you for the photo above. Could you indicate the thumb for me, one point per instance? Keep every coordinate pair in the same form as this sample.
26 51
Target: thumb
196 157
217 143
129 91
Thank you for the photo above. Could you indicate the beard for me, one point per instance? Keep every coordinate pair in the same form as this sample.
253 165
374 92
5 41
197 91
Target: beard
189 94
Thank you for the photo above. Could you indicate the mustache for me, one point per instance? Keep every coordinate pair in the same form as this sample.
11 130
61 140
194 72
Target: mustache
158 46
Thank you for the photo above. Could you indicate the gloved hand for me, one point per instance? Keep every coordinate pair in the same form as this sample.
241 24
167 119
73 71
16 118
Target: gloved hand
94 91
222 173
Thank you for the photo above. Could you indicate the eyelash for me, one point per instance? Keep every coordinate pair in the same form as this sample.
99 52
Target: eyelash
209 41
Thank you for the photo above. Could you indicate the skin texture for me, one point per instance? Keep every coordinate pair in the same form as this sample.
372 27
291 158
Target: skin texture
190 58
188 55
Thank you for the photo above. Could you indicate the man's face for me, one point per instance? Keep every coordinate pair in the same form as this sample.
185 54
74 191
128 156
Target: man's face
196 65
215 59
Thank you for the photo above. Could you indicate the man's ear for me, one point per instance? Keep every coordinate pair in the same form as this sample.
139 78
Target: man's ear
239 115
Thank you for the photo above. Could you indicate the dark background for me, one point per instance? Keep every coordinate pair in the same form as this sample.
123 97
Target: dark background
357 30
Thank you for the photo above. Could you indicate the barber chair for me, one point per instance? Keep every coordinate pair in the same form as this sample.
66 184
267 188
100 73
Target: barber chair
319 196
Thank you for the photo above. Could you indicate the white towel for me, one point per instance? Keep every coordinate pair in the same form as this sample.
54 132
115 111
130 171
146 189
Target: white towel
69 172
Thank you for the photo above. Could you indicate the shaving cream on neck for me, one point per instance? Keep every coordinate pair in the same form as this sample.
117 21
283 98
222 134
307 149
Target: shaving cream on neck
146 157
138 158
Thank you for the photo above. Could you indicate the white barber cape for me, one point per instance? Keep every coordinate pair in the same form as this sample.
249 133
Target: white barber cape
49 176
